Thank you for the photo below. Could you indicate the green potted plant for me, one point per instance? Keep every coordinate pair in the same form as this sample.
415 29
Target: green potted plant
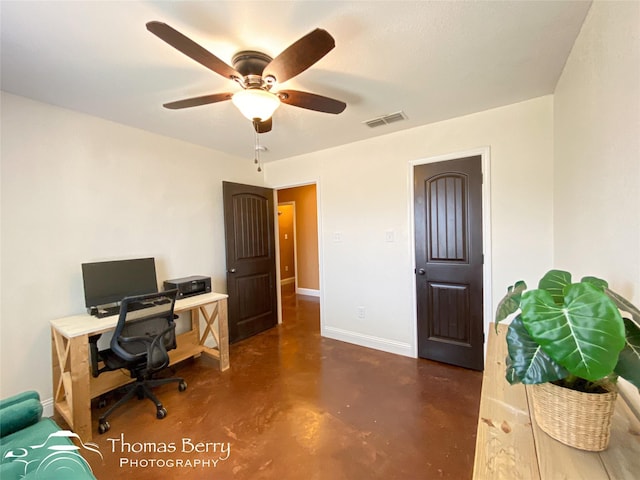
571 341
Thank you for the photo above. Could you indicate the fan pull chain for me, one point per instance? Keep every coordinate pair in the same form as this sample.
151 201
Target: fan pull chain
256 158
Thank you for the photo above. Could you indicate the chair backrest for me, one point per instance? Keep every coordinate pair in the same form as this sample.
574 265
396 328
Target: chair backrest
146 331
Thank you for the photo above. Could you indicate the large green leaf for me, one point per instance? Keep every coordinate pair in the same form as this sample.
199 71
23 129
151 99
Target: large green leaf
510 302
628 366
585 334
528 362
599 283
554 282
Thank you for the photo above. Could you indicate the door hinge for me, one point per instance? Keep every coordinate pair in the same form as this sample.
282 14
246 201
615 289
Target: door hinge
483 341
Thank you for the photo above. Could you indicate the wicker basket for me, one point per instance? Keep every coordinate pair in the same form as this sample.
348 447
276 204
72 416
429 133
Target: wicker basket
580 420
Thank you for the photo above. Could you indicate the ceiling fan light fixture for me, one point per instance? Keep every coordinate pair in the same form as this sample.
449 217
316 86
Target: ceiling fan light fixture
255 103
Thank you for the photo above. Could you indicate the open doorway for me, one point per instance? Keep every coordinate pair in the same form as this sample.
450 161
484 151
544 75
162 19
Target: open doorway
299 276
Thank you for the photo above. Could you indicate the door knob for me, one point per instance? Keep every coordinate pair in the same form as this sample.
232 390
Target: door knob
421 271
233 270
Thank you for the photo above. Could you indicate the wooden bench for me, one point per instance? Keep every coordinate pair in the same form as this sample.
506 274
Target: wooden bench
509 444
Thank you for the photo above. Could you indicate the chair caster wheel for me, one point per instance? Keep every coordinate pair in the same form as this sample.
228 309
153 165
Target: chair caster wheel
103 427
182 386
161 413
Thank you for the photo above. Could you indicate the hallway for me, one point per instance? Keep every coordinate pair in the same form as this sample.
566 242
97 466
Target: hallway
297 406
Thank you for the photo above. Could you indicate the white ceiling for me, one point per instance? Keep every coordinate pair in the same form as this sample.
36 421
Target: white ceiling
432 60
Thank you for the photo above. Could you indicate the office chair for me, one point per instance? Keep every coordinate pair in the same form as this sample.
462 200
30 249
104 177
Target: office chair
143 336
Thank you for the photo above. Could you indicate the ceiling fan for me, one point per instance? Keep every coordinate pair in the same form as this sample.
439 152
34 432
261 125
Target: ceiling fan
257 73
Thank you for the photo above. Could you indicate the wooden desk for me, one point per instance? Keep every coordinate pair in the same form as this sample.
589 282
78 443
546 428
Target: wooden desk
510 445
73 384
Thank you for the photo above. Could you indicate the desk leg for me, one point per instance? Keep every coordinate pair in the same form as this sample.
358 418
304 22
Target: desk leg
71 394
223 334
218 330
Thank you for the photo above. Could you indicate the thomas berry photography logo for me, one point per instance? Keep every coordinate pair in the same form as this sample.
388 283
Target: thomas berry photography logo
55 459
186 453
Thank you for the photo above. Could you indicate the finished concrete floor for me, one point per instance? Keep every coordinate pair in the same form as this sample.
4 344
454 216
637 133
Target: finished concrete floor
296 406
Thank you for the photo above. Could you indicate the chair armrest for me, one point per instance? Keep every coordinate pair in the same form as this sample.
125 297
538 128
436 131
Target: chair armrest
19 415
157 355
20 397
95 354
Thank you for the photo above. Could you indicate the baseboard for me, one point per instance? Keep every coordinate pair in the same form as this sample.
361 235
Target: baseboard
47 407
287 281
308 291
369 341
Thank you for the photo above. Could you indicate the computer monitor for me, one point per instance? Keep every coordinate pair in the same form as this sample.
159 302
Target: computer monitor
109 282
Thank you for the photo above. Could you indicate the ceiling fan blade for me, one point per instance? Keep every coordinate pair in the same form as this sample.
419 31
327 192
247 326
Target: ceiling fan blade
300 55
311 101
197 101
263 127
191 49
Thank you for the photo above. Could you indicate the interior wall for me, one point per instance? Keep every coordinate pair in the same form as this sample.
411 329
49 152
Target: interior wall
597 153
597 150
364 193
306 234
75 188
286 234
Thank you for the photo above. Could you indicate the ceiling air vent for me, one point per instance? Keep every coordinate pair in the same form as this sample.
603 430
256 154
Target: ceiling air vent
386 119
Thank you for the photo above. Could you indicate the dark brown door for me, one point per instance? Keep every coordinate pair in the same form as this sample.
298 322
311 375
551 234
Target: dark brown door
251 265
448 228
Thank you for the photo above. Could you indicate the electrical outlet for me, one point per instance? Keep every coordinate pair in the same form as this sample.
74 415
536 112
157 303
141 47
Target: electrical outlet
337 236
389 236
361 312
286 268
